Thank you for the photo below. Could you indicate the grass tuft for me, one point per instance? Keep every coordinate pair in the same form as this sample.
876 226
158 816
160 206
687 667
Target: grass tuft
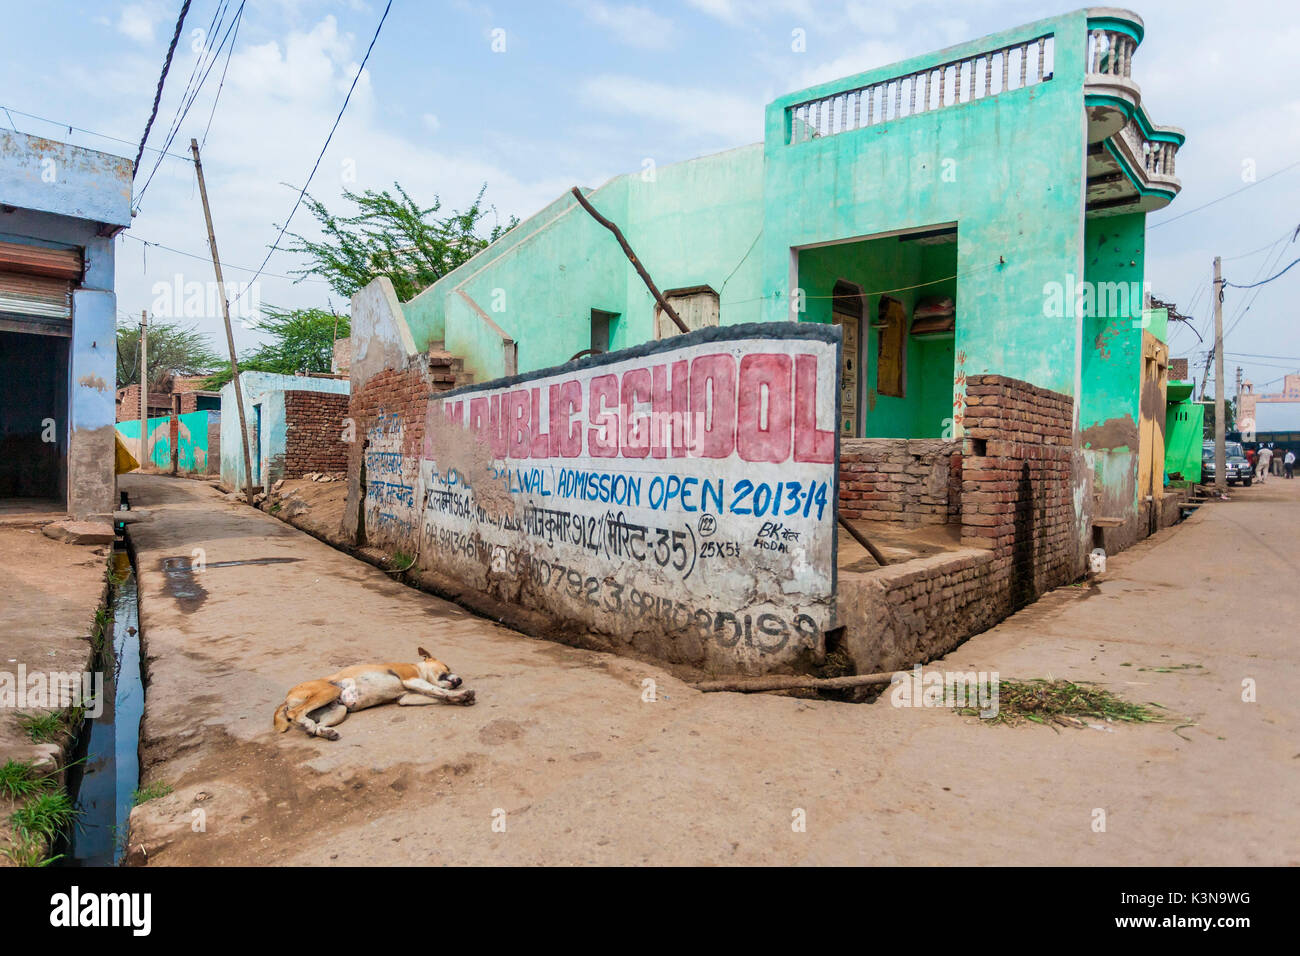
42 728
19 780
152 792
51 726
44 816
28 852
1061 702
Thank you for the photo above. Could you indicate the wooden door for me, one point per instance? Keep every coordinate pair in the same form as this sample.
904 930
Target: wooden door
891 344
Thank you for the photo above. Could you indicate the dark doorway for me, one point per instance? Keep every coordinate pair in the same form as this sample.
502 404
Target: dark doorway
33 416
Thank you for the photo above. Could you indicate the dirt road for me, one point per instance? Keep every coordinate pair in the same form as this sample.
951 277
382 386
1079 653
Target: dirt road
562 749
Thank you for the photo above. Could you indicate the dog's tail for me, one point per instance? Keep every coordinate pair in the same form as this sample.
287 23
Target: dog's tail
281 719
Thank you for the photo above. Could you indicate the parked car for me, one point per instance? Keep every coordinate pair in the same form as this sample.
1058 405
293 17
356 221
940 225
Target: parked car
1239 469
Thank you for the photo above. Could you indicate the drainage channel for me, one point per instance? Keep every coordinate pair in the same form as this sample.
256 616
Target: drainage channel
105 767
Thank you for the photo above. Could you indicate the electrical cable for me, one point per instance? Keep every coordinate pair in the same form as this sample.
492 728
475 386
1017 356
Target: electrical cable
157 96
321 155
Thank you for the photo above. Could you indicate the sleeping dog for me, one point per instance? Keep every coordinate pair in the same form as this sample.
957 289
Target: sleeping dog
318 705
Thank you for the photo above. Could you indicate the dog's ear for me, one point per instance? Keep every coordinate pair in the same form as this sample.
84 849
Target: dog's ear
424 655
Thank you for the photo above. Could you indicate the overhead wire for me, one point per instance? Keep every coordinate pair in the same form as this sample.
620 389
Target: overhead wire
315 166
157 96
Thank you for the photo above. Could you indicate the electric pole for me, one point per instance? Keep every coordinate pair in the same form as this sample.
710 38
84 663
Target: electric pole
1220 450
144 387
225 314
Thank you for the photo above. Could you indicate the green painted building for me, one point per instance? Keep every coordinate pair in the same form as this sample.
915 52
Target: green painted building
976 210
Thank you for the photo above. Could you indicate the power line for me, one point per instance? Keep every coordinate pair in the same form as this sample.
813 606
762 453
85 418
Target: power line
1253 285
1247 255
338 119
157 96
1165 222
89 132
183 109
222 85
208 258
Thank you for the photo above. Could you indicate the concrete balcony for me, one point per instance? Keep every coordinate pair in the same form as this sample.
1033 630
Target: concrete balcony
1130 159
1110 94
1133 171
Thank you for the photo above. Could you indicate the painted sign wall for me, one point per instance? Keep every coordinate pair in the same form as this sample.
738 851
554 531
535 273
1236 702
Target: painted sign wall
679 495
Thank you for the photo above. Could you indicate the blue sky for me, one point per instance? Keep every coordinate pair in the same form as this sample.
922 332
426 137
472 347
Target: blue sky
586 89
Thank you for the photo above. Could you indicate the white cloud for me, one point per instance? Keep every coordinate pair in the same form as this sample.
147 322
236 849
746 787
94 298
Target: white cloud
431 122
750 11
724 116
724 10
633 25
137 22
865 56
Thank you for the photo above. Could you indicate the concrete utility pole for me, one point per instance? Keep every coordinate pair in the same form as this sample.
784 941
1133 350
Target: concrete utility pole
1220 409
144 387
225 314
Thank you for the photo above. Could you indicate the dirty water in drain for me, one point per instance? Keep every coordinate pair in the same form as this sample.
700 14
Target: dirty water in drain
105 768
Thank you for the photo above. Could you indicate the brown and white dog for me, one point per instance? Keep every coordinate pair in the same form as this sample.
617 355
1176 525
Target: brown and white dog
318 705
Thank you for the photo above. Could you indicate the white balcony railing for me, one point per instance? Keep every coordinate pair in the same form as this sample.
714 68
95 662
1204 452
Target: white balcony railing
948 84
1110 53
1156 157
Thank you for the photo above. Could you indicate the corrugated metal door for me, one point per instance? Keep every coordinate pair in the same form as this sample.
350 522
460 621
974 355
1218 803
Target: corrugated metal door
36 284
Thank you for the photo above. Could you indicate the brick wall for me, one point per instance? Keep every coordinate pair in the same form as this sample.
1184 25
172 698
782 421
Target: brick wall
911 481
1016 508
214 443
1017 485
314 432
128 404
401 397
916 610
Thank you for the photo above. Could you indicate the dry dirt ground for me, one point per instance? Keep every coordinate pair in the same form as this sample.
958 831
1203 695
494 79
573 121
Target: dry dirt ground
562 750
48 598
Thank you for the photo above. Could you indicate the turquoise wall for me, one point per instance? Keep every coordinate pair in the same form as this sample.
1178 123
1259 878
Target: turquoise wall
1014 187
192 440
908 272
1112 338
1006 169
693 223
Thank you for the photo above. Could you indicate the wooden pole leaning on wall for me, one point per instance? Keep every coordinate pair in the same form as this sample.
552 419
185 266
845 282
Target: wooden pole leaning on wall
861 539
225 314
636 263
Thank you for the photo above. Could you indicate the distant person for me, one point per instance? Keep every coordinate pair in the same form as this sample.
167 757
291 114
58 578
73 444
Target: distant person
1265 460
1288 464
1250 458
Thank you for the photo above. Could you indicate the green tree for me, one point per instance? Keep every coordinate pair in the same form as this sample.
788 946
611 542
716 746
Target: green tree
173 350
301 340
392 235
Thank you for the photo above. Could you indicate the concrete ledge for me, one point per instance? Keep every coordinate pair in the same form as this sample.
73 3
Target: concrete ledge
80 532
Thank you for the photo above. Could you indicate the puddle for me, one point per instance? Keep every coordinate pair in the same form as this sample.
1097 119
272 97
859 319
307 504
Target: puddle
181 583
103 783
